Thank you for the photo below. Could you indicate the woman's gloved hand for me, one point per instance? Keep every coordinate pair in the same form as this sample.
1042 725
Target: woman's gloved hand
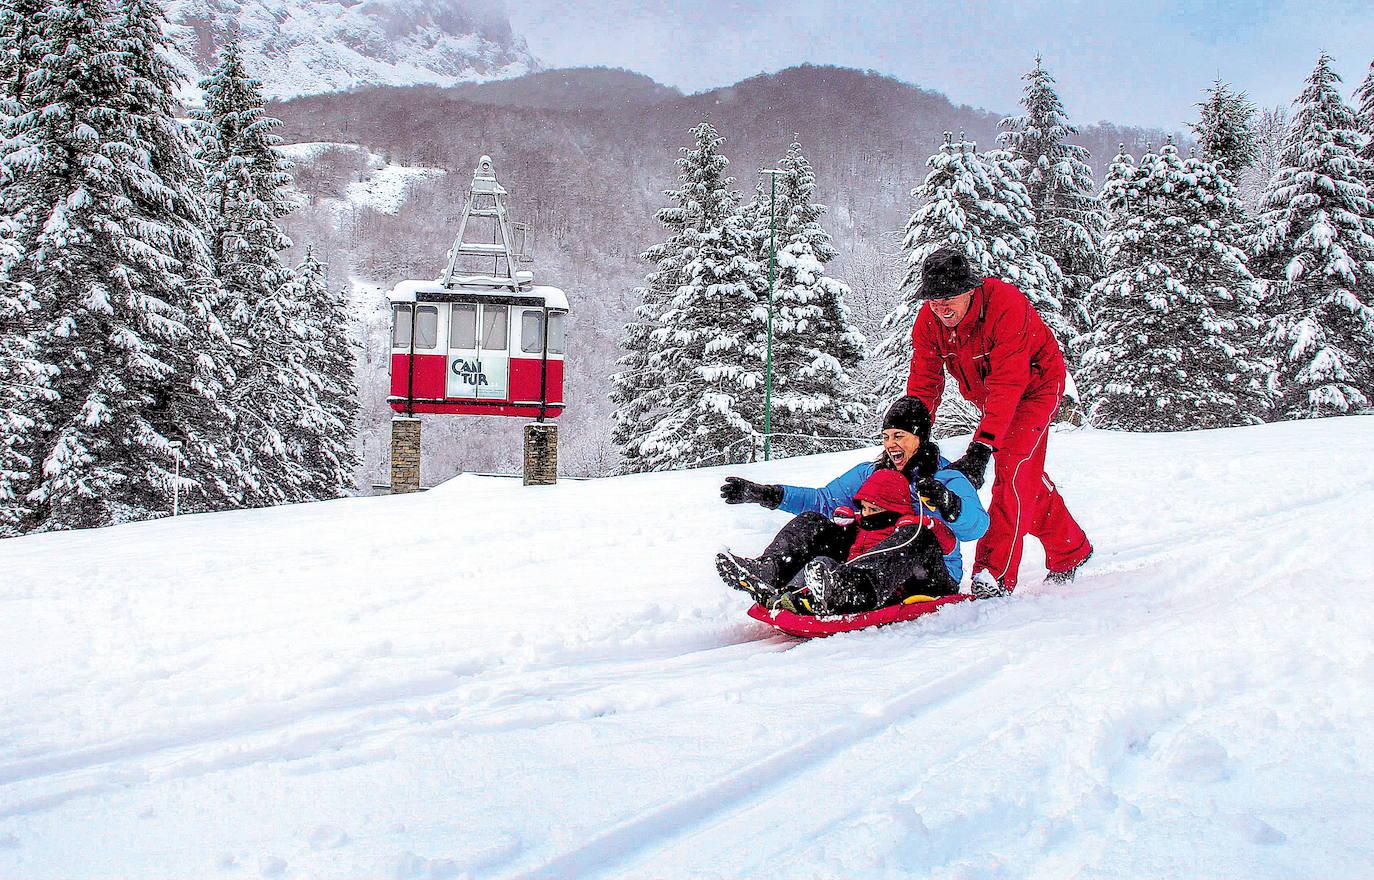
938 496
738 490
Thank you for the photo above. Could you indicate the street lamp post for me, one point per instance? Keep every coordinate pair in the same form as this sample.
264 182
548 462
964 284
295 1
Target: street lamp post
772 270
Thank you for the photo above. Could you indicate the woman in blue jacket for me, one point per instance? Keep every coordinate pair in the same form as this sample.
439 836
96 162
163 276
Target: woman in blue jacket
801 569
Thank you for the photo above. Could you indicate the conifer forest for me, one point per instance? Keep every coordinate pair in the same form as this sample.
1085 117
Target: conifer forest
184 322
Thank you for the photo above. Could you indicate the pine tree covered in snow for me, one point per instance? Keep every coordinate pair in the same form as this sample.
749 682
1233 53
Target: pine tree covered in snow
246 186
976 204
303 407
335 344
285 352
199 418
24 382
1270 130
1060 184
1224 131
20 49
23 379
1175 321
816 349
692 367
1316 237
117 270
1364 115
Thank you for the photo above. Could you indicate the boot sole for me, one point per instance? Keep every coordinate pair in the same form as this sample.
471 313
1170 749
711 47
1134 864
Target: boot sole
739 578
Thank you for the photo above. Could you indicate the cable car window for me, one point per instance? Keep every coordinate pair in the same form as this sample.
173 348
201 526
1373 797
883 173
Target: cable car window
400 327
532 332
427 326
462 330
556 332
495 320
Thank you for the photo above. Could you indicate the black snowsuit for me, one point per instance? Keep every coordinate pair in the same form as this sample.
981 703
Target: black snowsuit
906 563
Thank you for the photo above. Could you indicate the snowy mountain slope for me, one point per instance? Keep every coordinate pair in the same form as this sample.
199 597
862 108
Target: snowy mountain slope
489 680
377 184
304 47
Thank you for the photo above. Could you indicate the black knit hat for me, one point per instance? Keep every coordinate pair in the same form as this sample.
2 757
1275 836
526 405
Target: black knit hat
945 274
909 414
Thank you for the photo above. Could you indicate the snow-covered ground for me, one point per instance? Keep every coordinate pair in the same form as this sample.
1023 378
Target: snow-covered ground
495 681
386 185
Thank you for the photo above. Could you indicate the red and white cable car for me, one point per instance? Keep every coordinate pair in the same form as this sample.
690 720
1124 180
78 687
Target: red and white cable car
474 343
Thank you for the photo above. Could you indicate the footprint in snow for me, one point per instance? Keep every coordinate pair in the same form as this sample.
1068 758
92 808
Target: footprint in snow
1198 758
327 837
1260 832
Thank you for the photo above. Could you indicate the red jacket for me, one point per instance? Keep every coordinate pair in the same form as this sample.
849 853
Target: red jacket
889 489
999 354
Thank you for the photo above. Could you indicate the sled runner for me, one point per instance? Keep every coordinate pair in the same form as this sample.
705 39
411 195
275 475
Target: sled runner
806 627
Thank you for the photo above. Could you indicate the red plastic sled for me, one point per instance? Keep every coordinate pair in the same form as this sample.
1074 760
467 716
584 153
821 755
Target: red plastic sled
806 627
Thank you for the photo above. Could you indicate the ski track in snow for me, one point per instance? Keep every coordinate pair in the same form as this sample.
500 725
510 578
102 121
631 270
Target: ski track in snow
553 683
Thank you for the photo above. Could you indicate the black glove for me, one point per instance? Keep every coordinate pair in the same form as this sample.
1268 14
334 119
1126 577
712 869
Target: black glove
945 502
974 464
738 490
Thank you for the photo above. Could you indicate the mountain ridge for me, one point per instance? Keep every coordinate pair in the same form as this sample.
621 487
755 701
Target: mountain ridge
300 47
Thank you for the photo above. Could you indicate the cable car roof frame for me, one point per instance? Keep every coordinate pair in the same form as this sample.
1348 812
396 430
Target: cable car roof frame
551 298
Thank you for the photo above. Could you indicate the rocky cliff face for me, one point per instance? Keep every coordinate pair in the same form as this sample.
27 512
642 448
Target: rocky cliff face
305 47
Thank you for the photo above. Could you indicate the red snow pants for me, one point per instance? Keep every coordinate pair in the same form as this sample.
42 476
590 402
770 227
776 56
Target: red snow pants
1025 500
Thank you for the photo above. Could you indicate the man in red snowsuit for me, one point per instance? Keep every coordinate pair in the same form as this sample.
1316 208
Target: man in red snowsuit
1008 364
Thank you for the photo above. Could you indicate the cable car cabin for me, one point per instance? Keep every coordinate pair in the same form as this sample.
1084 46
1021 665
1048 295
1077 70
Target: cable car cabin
472 351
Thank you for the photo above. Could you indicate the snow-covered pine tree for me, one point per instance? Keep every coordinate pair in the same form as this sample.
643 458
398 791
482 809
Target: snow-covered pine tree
24 383
1316 237
246 185
1224 129
691 407
198 414
246 181
1011 227
1060 184
1364 115
1270 130
1175 320
637 389
816 349
115 269
20 49
978 206
303 388
23 379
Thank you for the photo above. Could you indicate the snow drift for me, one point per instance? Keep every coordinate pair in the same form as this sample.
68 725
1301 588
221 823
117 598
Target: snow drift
489 680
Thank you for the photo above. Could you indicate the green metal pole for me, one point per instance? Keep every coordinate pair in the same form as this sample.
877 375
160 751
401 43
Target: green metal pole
768 362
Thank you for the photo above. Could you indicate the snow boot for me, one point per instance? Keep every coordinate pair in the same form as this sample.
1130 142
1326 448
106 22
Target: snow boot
985 586
1060 578
753 576
821 583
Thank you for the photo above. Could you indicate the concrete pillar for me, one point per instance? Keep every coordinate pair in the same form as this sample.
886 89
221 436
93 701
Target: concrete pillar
405 454
541 454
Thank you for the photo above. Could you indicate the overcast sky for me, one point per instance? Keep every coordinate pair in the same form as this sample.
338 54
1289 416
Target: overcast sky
1143 62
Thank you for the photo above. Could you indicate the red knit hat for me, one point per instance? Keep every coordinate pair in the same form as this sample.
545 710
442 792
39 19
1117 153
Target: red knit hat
888 489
